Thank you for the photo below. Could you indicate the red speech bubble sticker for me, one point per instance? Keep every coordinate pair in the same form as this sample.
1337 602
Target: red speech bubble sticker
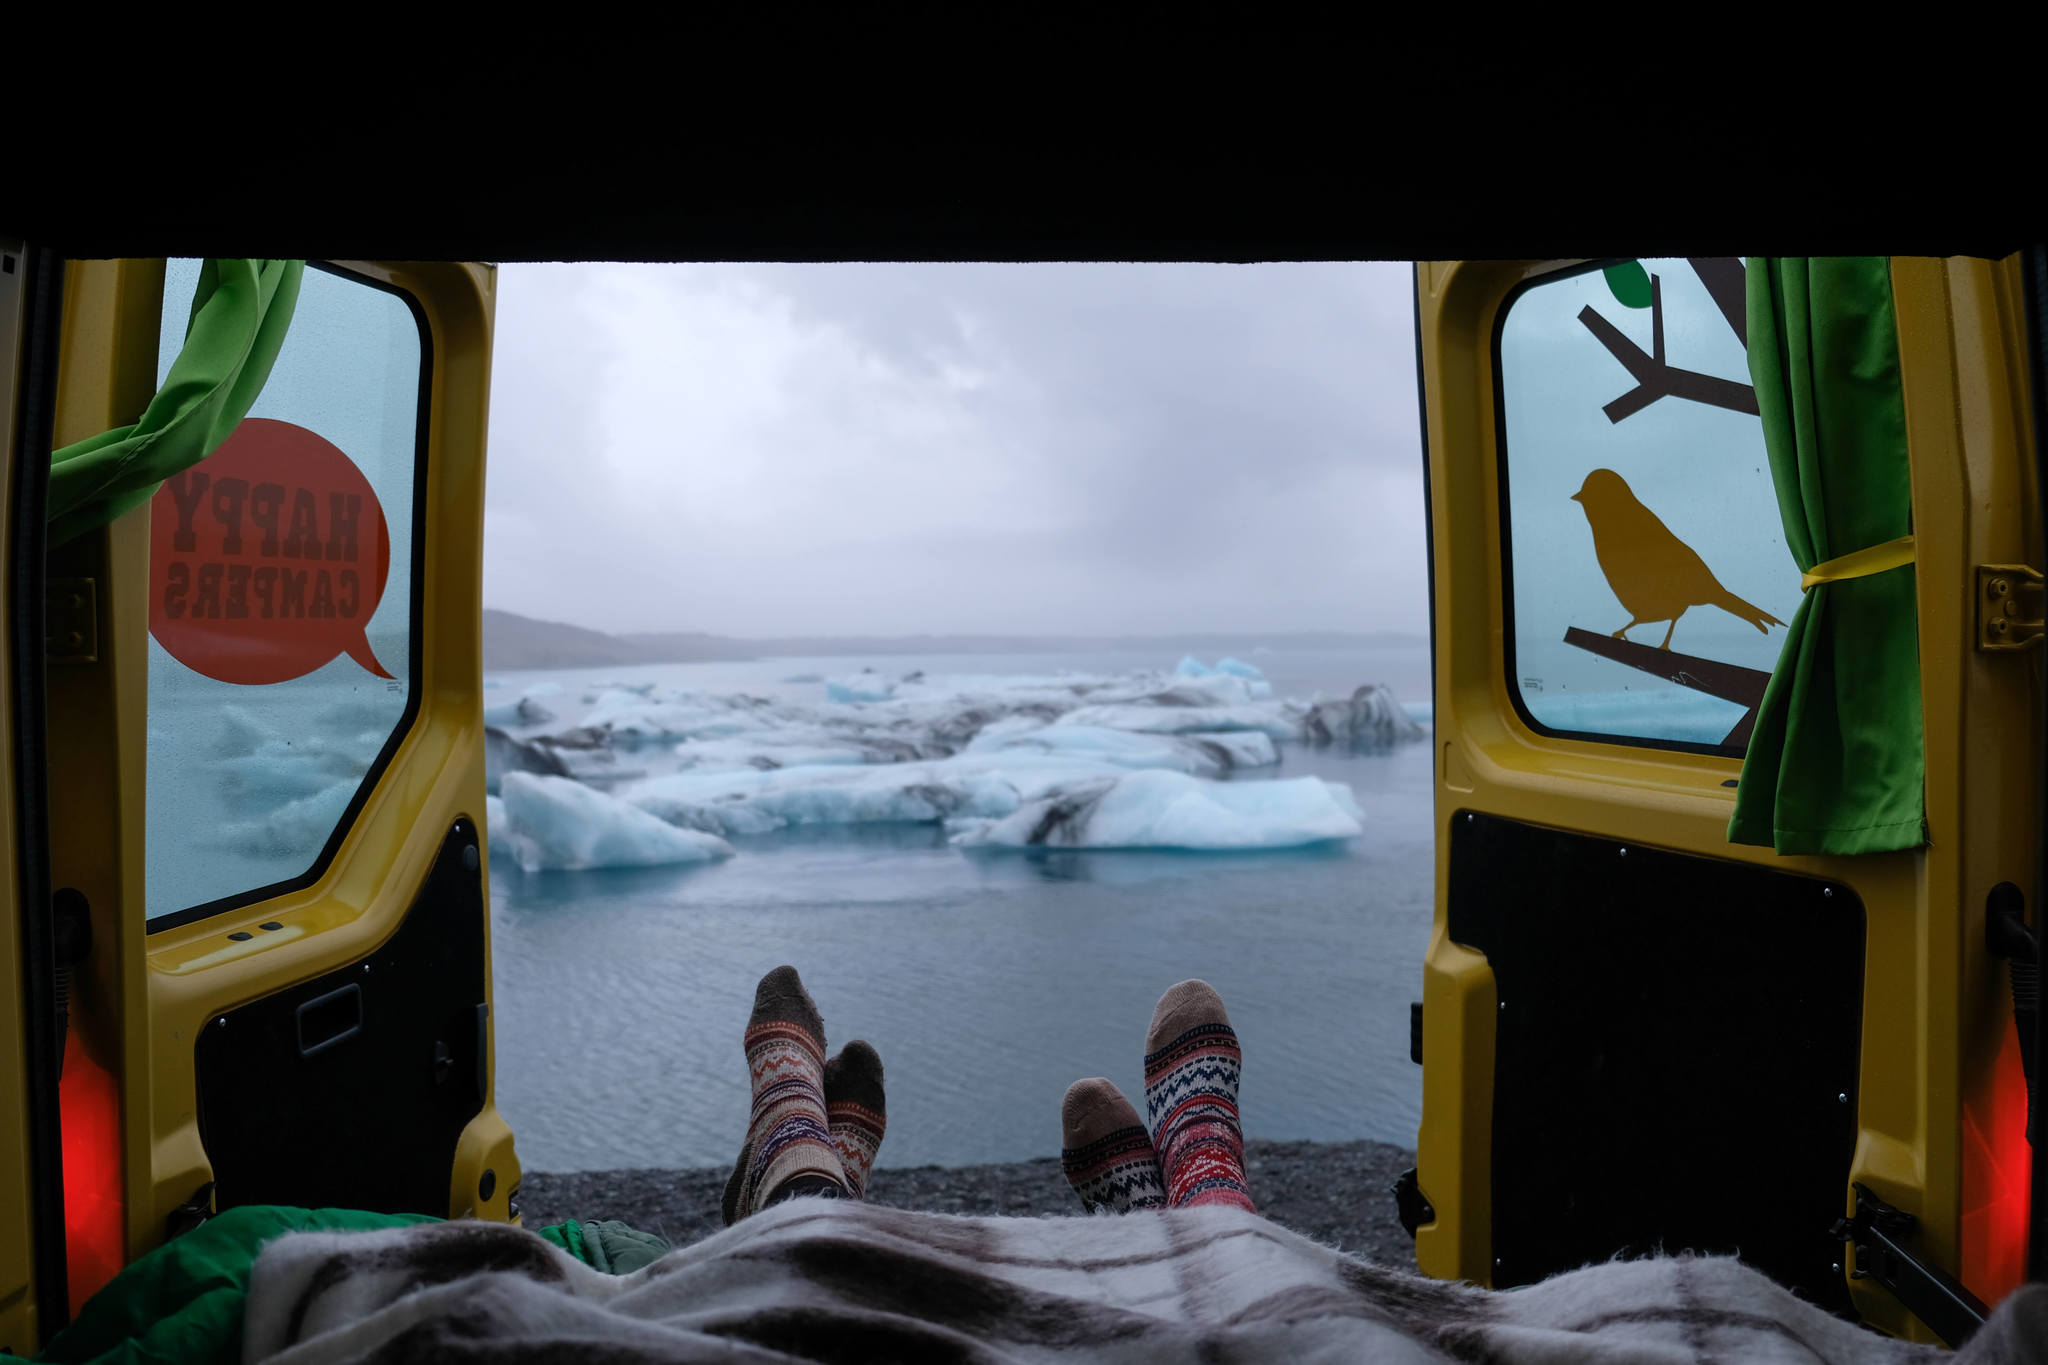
267 558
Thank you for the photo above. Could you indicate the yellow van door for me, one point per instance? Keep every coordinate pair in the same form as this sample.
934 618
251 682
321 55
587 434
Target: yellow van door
266 782
1634 1033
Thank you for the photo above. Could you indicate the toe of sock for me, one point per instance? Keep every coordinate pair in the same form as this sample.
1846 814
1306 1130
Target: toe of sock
781 998
1184 1006
1093 1109
854 1074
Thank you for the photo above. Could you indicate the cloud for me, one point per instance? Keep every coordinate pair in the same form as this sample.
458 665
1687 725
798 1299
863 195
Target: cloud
783 449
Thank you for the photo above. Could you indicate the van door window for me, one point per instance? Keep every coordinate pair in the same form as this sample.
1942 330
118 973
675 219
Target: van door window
282 668
1648 581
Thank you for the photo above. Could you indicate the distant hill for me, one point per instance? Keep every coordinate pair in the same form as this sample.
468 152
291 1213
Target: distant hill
514 641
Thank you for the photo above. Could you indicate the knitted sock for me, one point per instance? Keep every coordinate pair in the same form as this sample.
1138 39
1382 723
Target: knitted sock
788 1149
1105 1151
1192 1063
856 1111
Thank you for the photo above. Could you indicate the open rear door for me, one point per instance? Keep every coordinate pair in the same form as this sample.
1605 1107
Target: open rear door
266 792
1636 1034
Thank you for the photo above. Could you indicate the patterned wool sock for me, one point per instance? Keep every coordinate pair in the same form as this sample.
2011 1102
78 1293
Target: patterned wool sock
856 1111
788 1149
1192 1063
1106 1153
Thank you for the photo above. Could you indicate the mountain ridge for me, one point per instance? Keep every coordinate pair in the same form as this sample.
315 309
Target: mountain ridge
512 641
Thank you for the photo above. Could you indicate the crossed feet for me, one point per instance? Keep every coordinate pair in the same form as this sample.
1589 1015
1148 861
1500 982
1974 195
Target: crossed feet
817 1123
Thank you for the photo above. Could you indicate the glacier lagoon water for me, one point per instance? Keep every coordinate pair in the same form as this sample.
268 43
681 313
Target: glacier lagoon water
987 980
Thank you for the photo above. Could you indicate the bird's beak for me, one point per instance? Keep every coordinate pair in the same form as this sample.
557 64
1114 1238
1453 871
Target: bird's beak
1575 497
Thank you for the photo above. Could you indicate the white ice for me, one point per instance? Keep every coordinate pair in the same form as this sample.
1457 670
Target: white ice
1169 810
518 714
1269 718
1255 680
867 685
1654 711
975 751
497 836
752 801
557 822
1203 755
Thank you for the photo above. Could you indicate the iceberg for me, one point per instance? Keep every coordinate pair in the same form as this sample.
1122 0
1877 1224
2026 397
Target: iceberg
291 829
516 714
1370 719
756 801
866 685
1191 667
1169 810
504 754
497 837
1202 755
1653 712
976 753
632 720
557 822
1271 719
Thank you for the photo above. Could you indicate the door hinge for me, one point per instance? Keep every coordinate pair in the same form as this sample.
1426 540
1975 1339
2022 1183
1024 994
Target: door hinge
1883 1236
71 621
2008 607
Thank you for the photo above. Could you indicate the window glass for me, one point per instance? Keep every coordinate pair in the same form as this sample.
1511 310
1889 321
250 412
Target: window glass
1648 578
280 657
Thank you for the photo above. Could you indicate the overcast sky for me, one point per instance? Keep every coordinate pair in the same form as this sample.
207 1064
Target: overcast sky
891 449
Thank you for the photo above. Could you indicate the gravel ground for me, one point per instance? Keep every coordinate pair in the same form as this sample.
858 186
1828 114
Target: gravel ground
1335 1192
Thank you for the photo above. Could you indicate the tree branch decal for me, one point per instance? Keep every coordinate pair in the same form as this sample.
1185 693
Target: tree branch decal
1656 377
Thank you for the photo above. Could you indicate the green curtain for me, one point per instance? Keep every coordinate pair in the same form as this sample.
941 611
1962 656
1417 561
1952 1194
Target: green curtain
240 313
1837 762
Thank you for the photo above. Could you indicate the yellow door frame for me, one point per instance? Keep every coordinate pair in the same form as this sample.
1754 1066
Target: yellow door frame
1933 1010
150 994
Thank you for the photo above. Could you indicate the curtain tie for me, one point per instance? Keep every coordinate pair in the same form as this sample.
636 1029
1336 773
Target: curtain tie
1859 564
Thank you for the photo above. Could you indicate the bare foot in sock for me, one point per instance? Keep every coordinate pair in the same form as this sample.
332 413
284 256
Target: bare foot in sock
788 1149
1192 1064
1105 1151
856 1111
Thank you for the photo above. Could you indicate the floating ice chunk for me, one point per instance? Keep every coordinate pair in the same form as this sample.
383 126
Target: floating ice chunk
291 828
1370 719
1204 755
1191 667
1235 749
497 833
1239 668
867 685
555 822
637 689
1652 711
240 733
1271 718
1156 809
767 752
753 801
634 720
504 754
515 714
545 689
1216 689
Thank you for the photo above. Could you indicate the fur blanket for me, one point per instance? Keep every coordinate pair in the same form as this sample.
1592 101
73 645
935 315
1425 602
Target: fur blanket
821 1280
